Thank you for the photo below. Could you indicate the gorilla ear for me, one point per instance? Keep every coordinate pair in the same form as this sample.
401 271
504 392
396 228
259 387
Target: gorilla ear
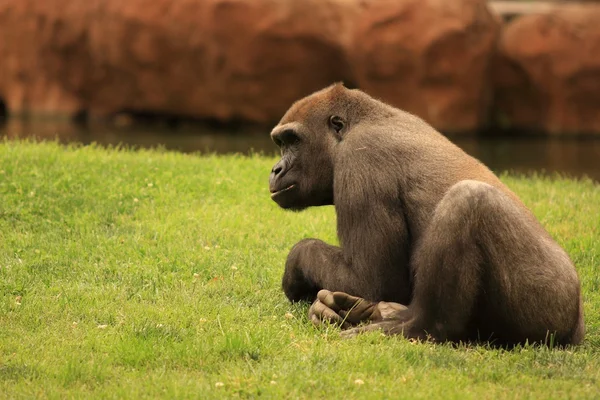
338 99
338 125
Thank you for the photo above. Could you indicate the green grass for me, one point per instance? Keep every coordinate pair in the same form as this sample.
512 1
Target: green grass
131 274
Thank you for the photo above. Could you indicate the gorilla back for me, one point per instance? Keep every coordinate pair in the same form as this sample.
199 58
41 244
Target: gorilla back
421 224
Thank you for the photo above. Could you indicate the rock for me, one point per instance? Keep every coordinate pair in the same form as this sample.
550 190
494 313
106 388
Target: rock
245 60
31 45
222 59
429 57
510 9
547 76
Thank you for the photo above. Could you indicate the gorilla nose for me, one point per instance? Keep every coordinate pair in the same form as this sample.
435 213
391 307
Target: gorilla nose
278 168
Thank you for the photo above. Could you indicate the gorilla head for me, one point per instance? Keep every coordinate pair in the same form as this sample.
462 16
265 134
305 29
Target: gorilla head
307 136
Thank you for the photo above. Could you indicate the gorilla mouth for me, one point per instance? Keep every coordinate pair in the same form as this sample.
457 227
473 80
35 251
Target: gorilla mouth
278 192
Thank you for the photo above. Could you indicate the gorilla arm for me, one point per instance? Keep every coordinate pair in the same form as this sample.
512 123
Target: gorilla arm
372 272
372 262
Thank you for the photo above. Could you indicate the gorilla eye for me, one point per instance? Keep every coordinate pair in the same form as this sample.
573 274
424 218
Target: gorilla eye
290 137
337 123
286 137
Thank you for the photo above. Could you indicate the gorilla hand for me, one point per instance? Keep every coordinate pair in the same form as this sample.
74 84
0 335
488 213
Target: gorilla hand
346 310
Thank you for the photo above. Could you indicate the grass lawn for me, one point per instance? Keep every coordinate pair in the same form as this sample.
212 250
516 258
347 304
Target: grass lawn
132 274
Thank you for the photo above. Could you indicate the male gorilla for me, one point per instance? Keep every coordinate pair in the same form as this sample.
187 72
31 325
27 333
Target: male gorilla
420 223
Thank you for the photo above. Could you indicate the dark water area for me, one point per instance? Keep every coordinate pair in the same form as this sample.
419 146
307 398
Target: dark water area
572 157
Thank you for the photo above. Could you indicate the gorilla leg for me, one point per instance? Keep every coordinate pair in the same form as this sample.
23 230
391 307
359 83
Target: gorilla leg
485 268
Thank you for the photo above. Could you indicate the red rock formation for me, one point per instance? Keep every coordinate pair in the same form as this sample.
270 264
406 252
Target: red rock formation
244 59
33 42
430 57
222 59
547 75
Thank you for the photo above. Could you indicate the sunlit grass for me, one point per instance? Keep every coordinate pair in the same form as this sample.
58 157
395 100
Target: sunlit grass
154 274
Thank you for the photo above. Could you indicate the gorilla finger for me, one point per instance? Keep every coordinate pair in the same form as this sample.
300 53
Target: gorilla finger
315 320
323 312
359 313
326 297
345 301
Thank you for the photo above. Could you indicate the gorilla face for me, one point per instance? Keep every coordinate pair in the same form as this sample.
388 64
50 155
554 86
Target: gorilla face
304 175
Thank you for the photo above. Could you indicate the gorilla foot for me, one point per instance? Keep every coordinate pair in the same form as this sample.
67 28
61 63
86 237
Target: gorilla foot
388 328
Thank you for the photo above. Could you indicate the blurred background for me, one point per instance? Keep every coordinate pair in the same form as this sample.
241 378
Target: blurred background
514 83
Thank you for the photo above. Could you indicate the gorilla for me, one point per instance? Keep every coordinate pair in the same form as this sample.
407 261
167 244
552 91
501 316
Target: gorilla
433 245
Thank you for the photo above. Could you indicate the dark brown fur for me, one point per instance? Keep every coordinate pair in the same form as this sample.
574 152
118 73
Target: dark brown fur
421 223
